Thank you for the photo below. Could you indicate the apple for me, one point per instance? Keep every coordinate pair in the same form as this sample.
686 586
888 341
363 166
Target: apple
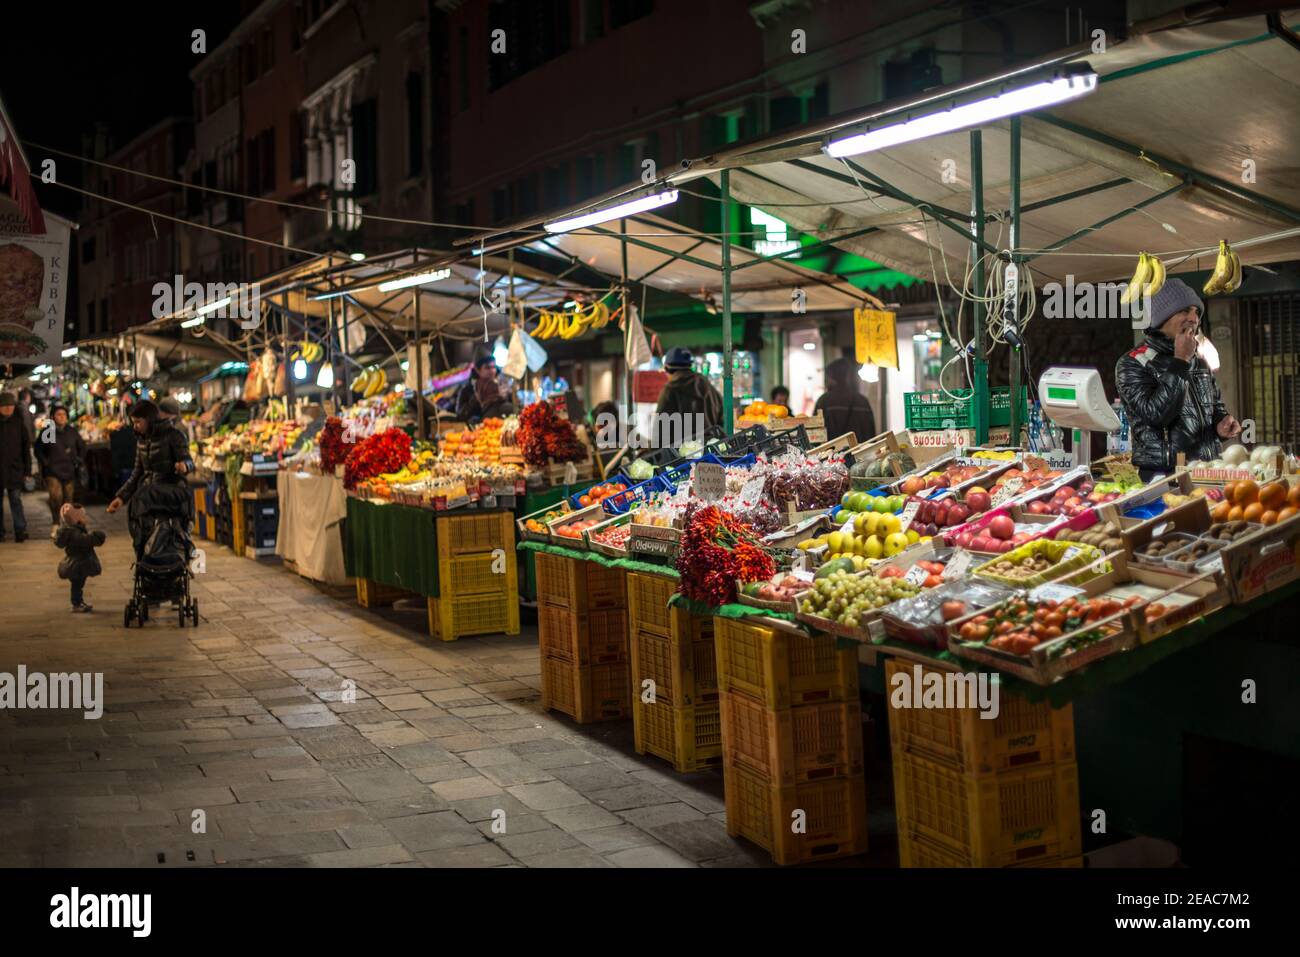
1006 546
965 539
958 514
941 514
1038 508
1002 527
974 489
932 529
978 501
982 543
1073 502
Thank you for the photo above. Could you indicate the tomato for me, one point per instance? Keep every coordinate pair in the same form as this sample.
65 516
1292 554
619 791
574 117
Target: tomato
584 500
1052 632
1004 628
982 633
1131 601
968 631
1054 620
980 619
1023 645
933 581
1111 607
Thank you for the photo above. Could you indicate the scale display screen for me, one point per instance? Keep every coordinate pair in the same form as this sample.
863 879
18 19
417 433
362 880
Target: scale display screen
1058 392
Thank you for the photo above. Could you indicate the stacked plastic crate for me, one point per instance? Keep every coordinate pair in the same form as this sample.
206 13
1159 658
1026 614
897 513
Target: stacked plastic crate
582 637
674 677
971 791
792 742
478 577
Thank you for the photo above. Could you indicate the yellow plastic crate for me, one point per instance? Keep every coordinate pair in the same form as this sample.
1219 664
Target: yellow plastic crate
579 585
919 852
210 527
781 668
683 669
647 603
482 574
831 814
373 594
598 637
996 820
587 693
458 616
690 737
468 534
788 746
1023 735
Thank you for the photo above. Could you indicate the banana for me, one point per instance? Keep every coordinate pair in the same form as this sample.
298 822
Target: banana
1222 271
380 383
1235 282
602 316
545 327
359 383
1157 277
1141 276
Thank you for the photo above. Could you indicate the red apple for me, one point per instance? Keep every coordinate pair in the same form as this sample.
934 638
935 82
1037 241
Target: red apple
965 539
941 514
978 501
1002 527
958 513
1073 502
1038 508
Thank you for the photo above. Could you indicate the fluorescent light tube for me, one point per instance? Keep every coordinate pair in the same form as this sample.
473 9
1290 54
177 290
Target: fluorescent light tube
191 323
419 279
212 306
1022 99
638 205
69 352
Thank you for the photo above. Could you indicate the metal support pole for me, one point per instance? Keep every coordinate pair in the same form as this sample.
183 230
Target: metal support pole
419 371
629 372
727 397
343 386
290 393
330 341
1013 306
981 376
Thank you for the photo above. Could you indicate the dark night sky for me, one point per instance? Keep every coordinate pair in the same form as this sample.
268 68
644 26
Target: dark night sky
68 65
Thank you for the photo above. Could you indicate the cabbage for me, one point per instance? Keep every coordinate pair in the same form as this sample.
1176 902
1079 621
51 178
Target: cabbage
1264 454
1235 454
640 470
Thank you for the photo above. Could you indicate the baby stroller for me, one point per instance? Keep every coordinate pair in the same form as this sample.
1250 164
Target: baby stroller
159 521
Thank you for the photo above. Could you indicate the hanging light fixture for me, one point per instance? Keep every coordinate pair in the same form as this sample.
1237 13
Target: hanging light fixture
325 378
647 201
966 109
299 369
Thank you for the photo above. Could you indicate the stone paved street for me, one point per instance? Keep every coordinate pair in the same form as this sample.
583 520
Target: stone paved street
244 720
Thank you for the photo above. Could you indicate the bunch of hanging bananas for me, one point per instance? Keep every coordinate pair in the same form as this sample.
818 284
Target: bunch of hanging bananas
1227 272
1147 279
570 325
371 382
308 351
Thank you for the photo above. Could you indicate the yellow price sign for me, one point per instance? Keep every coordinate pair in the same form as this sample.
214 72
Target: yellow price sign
874 337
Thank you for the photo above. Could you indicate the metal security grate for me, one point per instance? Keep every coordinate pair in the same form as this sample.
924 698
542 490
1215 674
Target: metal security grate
1269 367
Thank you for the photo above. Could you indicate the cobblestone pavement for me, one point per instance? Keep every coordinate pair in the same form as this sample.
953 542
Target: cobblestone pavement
243 720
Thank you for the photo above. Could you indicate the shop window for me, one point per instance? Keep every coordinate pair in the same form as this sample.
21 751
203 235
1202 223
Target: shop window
623 12
267 139
90 318
253 164
365 146
414 124
906 77
250 62
819 104
1268 357
537 31
785 112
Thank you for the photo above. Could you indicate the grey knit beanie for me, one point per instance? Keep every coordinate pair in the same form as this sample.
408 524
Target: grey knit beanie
1174 296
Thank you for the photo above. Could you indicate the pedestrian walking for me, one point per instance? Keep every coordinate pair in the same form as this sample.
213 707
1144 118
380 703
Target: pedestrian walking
15 464
62 457
79 559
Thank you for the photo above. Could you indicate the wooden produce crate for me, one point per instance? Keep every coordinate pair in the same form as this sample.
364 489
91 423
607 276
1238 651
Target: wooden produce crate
818 820
782 667
1023 735
996 820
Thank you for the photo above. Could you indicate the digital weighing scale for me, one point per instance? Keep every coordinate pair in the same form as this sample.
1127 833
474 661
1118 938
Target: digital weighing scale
1073 397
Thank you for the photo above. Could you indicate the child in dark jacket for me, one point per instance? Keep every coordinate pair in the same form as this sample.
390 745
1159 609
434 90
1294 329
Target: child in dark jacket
78 544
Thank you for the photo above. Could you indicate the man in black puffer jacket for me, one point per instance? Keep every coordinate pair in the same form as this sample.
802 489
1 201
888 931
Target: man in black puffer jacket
161 455
1173 403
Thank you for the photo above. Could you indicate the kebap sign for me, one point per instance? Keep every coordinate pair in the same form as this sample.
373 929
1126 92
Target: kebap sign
33 290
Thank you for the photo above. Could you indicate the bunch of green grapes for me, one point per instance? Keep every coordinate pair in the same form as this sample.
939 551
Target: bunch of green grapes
844 597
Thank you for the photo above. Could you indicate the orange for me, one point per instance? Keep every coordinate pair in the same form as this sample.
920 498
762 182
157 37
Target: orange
1220 513
1293 497
1253 512
1269 518
1289 512
1234 513
1273 495
1246 492
1230 491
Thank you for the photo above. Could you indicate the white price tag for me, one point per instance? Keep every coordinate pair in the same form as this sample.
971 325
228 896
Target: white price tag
916 575
847 527
1070 553
1053 591
802 574
752 490
909 513
957 565
570 473
1007 490
710 481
